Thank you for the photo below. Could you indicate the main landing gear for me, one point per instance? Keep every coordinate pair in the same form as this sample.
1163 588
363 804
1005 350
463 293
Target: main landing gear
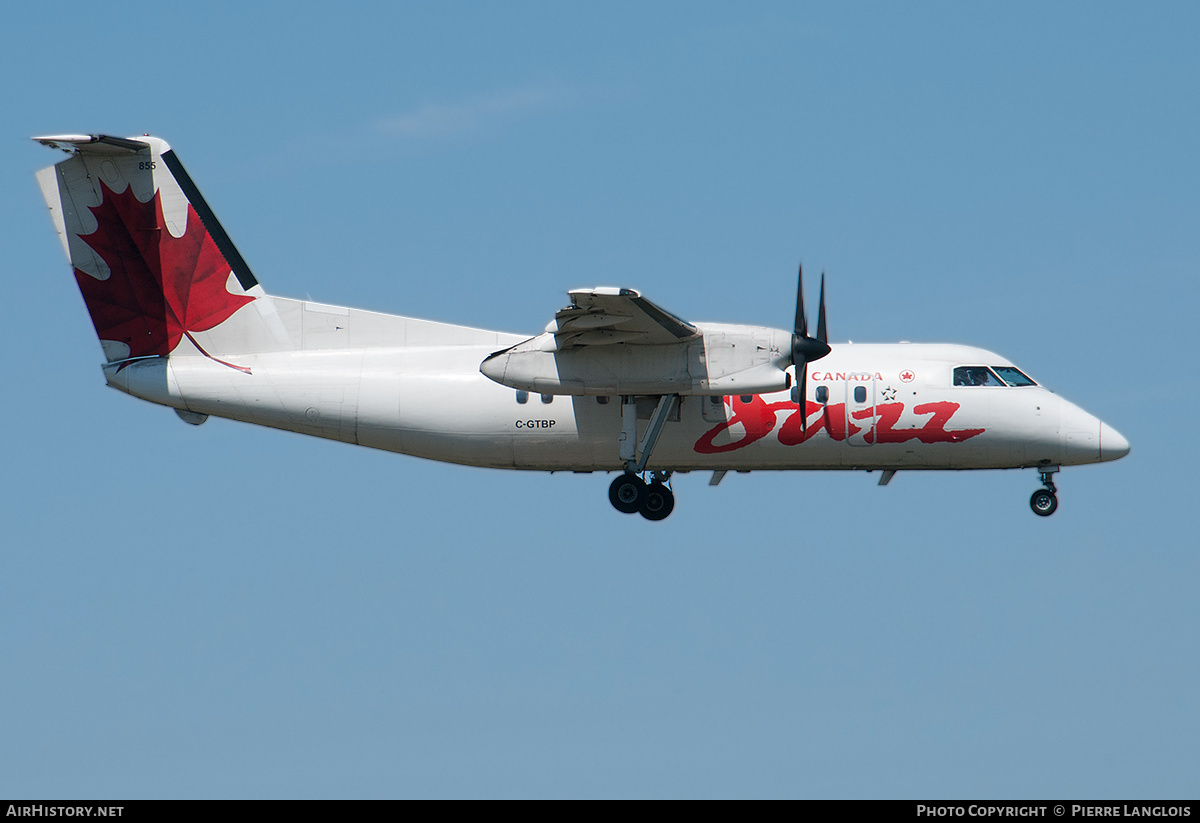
629 493
1044 501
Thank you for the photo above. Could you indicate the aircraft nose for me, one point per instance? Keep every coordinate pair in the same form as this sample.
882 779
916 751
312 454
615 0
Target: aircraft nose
1112 444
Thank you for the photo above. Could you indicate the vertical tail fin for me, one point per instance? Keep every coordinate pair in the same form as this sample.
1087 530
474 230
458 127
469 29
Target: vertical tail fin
156 270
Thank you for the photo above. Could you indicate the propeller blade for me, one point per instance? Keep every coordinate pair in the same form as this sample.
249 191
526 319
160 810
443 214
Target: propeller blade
801 327
806 349
802 374
821 334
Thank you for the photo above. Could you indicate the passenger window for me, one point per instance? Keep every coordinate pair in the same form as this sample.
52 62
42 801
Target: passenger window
547 398
976 376
522 396
822 394
602 399
746 398
1013 376
860 394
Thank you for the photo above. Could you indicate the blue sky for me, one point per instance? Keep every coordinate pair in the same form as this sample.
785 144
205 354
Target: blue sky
226 611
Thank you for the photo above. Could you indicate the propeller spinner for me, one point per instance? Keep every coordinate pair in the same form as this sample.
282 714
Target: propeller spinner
807 349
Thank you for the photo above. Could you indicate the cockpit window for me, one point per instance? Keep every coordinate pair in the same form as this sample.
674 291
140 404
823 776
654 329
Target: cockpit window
1013 376
976 376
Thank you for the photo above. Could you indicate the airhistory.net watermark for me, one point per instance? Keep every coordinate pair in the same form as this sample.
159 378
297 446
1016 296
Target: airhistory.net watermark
41 810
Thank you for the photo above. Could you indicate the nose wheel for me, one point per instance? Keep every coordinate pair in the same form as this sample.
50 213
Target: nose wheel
629 493
1044 501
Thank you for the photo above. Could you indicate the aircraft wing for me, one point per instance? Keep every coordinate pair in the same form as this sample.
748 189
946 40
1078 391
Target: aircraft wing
605 316
616 342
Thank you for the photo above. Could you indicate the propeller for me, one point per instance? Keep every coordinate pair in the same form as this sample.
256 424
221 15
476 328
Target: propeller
807 349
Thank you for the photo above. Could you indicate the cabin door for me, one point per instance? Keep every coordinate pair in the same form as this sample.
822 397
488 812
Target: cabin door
860 409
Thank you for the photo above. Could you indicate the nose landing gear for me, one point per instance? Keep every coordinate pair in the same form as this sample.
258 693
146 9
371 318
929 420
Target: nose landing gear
1044 501
629 493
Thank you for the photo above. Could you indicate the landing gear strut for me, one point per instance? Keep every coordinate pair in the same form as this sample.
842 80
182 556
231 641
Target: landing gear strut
1044 501
629 493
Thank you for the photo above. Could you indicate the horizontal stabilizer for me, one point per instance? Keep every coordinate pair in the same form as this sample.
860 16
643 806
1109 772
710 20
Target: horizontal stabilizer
94 143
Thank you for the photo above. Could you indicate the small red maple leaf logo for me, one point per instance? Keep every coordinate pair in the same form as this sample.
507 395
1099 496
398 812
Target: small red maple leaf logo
161 287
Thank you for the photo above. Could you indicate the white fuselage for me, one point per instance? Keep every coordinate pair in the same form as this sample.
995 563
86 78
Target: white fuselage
887 407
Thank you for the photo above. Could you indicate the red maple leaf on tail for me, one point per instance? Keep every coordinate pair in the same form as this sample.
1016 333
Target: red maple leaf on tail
161 287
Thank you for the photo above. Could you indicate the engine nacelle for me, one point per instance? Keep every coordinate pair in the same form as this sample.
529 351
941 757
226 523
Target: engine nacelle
724 360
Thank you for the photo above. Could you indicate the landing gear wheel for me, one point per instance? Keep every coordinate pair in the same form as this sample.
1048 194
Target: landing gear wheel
1043 502
627 493
659 502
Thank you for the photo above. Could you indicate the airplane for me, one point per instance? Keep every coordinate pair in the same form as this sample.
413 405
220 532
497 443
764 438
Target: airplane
614 383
